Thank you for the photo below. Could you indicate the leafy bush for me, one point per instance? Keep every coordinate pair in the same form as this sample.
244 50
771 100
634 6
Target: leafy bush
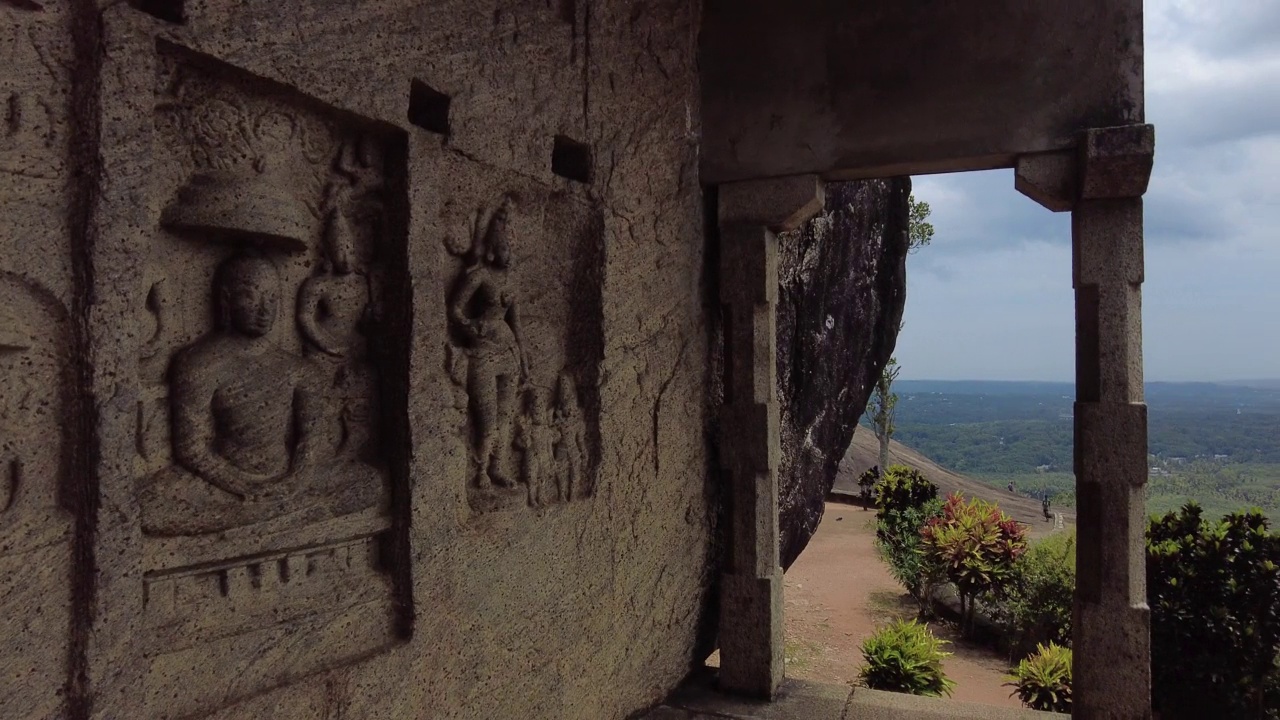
866 483
1214 592
905 657
901 488
1034 606
1043 681
898 540
976 545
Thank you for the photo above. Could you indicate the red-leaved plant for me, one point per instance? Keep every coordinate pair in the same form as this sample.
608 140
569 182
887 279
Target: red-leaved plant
976 544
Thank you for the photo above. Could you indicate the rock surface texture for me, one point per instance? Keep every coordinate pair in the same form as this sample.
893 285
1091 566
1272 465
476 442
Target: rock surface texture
843 288
354 362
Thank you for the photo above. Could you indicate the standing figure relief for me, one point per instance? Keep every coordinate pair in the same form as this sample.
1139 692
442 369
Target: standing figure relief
525 432
335 314
484 313
570 441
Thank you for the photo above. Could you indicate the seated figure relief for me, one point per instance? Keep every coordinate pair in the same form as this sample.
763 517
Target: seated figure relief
246 419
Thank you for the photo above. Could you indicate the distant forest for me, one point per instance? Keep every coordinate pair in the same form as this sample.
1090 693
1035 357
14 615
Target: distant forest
1218 444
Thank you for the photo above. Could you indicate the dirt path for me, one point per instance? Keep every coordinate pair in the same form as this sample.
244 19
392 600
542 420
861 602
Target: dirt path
839 591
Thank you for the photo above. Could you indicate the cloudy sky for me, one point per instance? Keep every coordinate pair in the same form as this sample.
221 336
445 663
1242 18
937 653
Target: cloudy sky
991 298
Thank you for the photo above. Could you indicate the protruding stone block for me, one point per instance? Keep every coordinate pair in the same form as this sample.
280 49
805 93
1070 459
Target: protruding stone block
1116 161
749 435
1106 240
751 639
779 204
748 255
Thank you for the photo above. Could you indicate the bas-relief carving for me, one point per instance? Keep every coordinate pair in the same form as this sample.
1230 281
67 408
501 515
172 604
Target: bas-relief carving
519 341
264 497
35 552
33 115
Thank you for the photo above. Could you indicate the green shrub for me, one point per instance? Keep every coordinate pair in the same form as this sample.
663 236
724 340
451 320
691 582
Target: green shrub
898 541
901 488
905 657
976 545
866 484
1214 592
1034 606
1043 681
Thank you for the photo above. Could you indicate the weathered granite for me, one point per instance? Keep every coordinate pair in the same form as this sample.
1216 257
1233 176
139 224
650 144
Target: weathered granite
842 291
354 359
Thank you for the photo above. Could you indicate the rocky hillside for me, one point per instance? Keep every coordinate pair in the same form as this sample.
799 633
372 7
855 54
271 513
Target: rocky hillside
864 452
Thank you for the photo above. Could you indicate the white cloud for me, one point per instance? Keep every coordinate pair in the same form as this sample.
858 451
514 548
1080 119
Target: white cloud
992 297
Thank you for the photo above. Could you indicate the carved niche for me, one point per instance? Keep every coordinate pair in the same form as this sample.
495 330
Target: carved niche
264 484
525 340
35 529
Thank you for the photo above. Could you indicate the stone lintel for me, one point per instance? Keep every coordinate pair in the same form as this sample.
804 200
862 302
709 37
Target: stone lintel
779 204
751 640
1115 162
1051 179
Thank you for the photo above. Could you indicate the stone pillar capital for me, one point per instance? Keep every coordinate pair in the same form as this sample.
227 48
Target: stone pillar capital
1115 162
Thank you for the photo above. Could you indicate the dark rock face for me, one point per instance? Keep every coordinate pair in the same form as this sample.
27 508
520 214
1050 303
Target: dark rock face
843 287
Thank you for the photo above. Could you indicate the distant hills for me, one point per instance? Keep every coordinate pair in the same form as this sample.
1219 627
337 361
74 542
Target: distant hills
1218 443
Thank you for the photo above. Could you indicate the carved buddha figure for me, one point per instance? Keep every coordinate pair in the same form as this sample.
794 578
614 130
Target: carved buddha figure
245 417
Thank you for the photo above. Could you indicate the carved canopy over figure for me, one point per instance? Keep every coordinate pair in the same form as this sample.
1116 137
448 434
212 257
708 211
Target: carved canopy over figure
245 416
483 311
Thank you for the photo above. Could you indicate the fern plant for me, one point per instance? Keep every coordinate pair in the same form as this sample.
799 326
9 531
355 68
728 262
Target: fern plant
905 657
1043 680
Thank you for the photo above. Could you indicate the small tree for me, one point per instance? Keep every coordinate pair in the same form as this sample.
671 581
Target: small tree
881 408
976 545
905 501
919 229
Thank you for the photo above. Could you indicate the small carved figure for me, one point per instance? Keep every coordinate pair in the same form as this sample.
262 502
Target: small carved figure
536 438
334 312
243 419
571 443
484 314
333 307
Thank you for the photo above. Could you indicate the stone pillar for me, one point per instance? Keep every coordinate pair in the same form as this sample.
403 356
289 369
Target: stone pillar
1111 625
1102 185
751 213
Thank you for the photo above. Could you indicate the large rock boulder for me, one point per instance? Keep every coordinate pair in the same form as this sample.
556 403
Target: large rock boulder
843 287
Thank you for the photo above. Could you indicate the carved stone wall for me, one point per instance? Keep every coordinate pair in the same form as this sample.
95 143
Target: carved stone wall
37 417
523 349
264 488
354 361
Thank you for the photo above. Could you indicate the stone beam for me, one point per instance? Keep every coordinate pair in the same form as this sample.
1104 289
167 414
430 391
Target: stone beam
1048 178
849 90
750 215
1111 625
